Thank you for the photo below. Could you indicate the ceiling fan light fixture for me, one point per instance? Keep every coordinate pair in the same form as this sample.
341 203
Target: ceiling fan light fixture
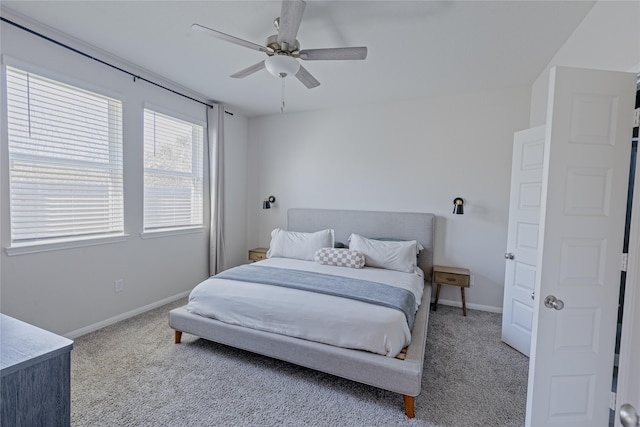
282 65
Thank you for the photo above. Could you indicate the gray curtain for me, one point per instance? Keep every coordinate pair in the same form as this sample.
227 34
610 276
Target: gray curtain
215 130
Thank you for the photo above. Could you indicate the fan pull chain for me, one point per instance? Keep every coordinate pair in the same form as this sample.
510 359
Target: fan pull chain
282 96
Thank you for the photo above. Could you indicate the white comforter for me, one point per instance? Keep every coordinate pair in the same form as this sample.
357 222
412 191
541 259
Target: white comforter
317 317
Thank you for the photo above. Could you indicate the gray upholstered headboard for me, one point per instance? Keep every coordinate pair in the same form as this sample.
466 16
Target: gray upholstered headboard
400 225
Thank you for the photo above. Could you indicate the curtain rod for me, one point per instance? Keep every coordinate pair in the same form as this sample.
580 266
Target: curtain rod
86 55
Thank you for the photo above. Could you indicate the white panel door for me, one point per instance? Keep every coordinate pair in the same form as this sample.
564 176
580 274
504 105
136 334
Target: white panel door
629 370
522 239
585 177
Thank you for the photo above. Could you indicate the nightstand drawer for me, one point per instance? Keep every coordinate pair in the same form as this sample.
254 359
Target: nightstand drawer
451 279
257 254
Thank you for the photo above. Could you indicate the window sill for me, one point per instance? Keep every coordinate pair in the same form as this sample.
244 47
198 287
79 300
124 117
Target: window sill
32 248
171 232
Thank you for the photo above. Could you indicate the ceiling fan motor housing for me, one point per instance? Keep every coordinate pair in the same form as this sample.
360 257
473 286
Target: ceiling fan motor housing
274 48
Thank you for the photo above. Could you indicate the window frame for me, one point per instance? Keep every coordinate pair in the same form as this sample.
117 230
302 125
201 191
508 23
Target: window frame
148 233
65 242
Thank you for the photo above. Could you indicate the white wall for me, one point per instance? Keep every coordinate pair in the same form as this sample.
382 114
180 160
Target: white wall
414 155
70 290
607 39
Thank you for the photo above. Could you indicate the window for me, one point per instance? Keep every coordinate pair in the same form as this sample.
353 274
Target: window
173 183
65 161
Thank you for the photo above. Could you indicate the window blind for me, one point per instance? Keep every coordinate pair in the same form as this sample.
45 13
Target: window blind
65 160
173 172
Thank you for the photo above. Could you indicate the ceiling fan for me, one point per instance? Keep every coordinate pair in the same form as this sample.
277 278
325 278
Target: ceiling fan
283 50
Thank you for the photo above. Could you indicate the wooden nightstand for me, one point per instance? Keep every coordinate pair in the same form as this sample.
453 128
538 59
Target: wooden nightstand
451 276
258 254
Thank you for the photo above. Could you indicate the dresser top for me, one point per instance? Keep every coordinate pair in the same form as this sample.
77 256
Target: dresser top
23 345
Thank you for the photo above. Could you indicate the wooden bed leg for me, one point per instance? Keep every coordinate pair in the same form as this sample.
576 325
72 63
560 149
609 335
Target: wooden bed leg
409 406
178 337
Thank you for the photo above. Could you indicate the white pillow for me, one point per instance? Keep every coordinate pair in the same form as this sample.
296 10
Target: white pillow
298 245
392 255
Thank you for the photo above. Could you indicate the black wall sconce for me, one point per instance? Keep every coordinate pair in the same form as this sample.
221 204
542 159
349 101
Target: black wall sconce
267 202
457 206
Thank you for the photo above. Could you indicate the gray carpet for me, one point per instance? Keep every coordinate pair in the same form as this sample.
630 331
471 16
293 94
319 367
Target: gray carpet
131 374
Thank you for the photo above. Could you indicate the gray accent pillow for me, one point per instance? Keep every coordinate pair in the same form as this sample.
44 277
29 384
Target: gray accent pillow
339 257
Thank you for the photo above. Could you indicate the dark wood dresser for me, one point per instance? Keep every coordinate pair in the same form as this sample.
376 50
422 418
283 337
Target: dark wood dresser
35 381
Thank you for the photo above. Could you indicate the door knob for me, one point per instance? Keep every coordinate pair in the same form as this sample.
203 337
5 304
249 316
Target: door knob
533 295
629 416
553 302
509 255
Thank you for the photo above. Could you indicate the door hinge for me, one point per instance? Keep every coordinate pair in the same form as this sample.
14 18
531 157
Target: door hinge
625 261
636 118
612 402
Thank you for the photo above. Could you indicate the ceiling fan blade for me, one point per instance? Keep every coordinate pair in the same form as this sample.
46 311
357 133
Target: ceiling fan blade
290 17
248 71
306 78
226 37
336 53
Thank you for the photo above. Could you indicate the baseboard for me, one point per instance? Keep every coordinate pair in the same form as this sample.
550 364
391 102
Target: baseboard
94 327
469 305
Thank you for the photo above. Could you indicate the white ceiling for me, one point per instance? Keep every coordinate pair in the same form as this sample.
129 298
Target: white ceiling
416 48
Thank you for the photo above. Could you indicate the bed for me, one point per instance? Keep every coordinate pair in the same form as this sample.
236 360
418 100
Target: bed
402 374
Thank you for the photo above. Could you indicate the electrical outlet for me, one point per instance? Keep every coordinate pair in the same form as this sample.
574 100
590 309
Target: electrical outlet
119 285
472 279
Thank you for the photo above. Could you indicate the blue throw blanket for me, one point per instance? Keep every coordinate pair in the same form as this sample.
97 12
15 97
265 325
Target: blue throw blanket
346 287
